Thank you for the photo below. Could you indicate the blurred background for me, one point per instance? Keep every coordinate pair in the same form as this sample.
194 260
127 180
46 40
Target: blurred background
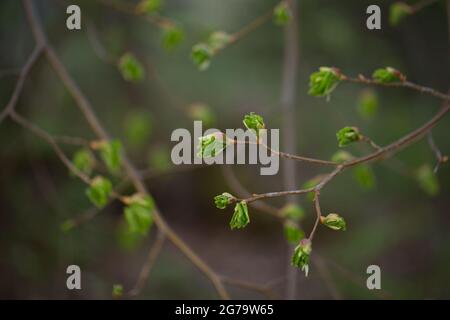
397 218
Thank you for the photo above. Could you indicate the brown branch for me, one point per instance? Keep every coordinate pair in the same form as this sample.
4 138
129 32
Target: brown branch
437 153
401 84
20 82
148 265
318 214
101 133
241 192
265 290
327 279
49 139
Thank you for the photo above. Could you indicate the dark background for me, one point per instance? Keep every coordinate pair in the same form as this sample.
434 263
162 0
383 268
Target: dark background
395 225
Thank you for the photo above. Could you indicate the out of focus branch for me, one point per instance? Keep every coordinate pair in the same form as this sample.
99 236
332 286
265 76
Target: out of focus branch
101 133
20 82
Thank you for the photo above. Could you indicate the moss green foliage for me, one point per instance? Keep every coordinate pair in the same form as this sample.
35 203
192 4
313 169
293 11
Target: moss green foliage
149 6
138 127
172 36
364 176
159 158
99 191
111 154
84 161
292 232
427 180
254 122
282 14
130 68
139 213
323 82
201 55
117 291
240 217
334 221
212 145
367 104
300 259
348 135
398 11
223 200
388 75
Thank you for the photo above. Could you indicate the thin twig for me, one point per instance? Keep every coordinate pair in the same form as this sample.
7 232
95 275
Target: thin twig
44 135
20 82
401 84
148 265
438 154
265 290
241 192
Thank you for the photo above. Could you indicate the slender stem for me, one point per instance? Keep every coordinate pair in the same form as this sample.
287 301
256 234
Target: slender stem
149 262
20 82
318 214
401 84
44 135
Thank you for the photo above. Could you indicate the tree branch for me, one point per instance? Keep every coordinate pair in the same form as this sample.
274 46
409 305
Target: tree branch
98 129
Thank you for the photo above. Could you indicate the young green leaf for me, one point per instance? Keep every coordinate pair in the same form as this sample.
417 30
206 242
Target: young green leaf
201 55
149 6
292 232
212 145
323 82
367 104
282 14
341 156
99 191
131 68
84 161
67 225
398 11
388 75
223 200
300 259
111 154
172 36
348 135
139 213
334 221
364 176
218 40
240 216
254 122
427 180
293 212
159 158
138 127
117 291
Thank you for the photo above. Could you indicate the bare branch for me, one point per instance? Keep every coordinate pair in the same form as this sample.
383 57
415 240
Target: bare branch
148 265
438 154
20 82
